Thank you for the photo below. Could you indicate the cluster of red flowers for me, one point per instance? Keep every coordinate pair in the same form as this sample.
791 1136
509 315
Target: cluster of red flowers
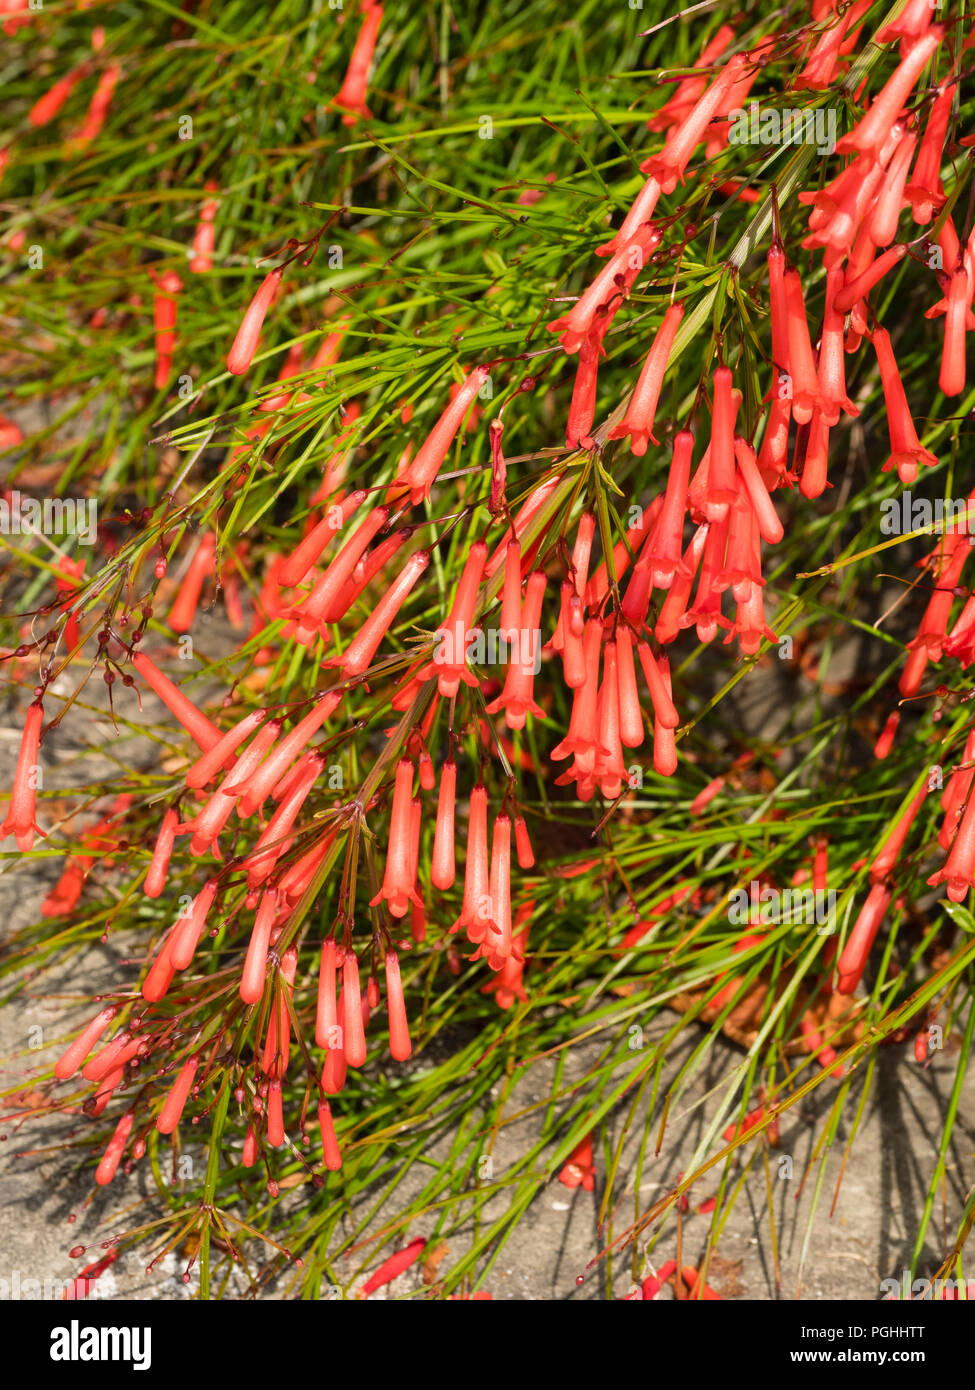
707 525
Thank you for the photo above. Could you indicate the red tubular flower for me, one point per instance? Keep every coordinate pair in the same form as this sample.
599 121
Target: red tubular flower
657 675
912 22
168 287
580 1171
330 1144
508 984
886 740
496 947
861 286
393 1267
190 926
690 89
824 54
523 518
766 516
669 165
159 865
631 720
887 857
582 407
245 344
581 739
204 236
106 1169
640 213
353 1032
423 469
450 660
274 841
598 586
958 870
202 565
255 785
254 972
952 376
511 591
277 1044
100 102
925 192
21 814
721 489
442 869
609 769
675 604
328 1033
523 844
905 450
352 94
854 957
929 641
172 1110
313 545
870 132
516 698
399 880
832 370
802 365
698 1288
590 316
881 221
400 1046
706 614
955 794
642 407
663 549
210 763
359 653
69 1062
477 884
664 743
47 107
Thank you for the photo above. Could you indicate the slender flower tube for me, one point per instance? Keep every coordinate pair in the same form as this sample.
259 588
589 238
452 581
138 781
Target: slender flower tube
249 333
399 883
190 926
450 660
400 1046
721 489
690 89
477 885
47 107
420 473
675 604
669 165
169 1115
889 732
352 94
327 1031
958 870
641 211
905 449
881 221
609 769
860 287
816 461
511 591
442 868
523 846
642 407
887 857
99 106
850 965
210 763
516 698
353 1032
952 376
274 838
925 192
21 819
254 972
168 287
832 369
245 766
201 566
106 1169
910 24
589 317
769 525
330 1144
662 552
257 784
390 1269
122 1048
498 948
361 650
630 718
312 546
69 1062
205 234
869 133
656 672
580 1171
802 366
582 407
159 866
664 742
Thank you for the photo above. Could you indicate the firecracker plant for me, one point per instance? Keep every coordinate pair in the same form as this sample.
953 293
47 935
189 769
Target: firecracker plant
494 418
